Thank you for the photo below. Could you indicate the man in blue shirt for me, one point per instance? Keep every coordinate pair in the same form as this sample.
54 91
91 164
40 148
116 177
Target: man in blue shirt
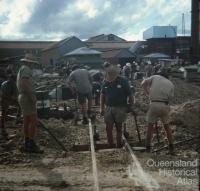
115 95
8 97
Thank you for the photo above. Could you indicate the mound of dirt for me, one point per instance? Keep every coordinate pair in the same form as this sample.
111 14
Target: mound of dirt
187 116
185 91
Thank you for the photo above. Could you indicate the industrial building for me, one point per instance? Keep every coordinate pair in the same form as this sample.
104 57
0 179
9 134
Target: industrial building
53 54
195 32
161 39
84 56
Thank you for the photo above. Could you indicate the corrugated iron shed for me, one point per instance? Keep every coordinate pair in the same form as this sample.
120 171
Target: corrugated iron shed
157 55
83 51
60 43
120 53
104 37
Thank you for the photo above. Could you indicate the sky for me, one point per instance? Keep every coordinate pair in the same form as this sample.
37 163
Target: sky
58 19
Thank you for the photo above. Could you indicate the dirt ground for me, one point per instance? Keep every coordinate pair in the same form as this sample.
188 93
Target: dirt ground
57 170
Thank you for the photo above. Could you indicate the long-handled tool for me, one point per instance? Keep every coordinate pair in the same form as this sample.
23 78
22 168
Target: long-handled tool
157 132
95 132
136 124
50 133
76 115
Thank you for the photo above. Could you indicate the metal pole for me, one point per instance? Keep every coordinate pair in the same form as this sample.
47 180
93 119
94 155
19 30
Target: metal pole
94 163
56 93
157 132
137 128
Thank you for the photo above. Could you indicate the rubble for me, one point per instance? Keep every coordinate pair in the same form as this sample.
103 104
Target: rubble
184 120
187 116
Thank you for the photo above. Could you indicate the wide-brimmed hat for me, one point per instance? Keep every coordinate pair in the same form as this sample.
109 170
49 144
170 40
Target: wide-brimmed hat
106 65
111 73
29 58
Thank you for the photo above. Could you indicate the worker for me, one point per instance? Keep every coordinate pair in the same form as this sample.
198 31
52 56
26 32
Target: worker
83 87
96 87
8 97
127 71
160 91
27 101
114 95
149 70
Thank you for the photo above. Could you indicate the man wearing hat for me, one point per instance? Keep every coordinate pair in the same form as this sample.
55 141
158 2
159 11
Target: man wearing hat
27 101
160 91
114 95
127 71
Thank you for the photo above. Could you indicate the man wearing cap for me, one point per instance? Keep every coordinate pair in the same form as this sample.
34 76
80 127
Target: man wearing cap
114 95
83 85
127 71
8 97
149 69
160 91
27 101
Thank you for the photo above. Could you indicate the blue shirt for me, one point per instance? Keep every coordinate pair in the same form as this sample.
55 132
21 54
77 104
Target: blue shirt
116 92
8 89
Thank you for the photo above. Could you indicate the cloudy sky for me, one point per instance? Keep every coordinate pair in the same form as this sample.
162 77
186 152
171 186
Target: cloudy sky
57 19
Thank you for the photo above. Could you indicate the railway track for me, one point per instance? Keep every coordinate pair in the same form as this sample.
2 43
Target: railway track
141 178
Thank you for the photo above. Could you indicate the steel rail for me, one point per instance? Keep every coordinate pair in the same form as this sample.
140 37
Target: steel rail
94 163
147 181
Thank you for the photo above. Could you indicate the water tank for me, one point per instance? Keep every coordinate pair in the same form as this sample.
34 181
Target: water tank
160 32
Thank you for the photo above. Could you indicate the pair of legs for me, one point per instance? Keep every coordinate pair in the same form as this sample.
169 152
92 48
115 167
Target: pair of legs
114 116
158 110
30 130
29 123
5 103
86 107
109 129
3 117
85 101
150 132
30 126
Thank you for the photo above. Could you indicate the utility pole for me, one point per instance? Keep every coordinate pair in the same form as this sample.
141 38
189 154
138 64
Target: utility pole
183 24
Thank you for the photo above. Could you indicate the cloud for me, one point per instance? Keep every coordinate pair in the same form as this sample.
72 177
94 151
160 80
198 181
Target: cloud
15 14
51 19
87 7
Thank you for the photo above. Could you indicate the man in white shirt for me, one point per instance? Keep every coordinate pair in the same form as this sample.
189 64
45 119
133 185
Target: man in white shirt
83 85
160 91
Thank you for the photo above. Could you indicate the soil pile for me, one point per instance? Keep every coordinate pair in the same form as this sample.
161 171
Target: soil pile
187 116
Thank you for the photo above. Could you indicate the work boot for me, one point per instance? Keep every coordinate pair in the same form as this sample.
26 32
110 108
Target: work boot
85 121
33 148
26 142
171 149
148 149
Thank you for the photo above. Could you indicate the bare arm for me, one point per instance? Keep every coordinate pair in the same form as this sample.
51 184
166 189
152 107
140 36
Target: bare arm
145 86
26 88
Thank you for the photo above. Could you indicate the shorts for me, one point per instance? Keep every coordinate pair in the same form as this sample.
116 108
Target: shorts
115 114
82 97
27 106
158 110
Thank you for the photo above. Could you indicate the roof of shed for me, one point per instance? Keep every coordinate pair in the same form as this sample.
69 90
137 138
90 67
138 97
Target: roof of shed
59 43
157 55
83 51
125 53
